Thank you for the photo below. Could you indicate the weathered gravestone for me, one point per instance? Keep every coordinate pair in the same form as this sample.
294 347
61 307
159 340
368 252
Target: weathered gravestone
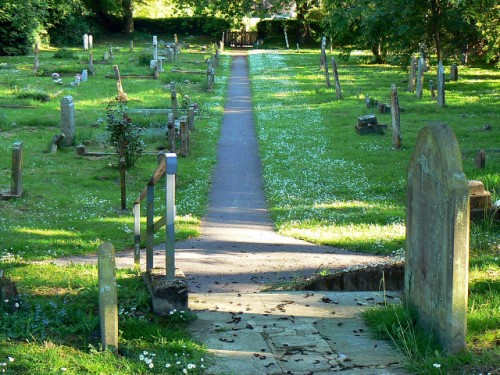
85 42
420 77
440 85
36 64
68 127
437 237
16 186
395 117
108 298
454 72
412 73
85 75
91 42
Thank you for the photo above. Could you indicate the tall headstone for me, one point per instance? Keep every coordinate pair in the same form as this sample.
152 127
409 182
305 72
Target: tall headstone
68 127
440 85
85 42
412 74
170 172
336 78
454 72
108 298
395 115
16 186
85 75
191 117
170 54
437 237
155 47
91 42
420 77
36 65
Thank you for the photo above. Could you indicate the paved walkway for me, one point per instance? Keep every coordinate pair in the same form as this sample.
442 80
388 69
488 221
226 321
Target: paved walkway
238 254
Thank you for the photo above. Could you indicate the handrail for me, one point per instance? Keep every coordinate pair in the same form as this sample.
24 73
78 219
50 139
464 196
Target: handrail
167 166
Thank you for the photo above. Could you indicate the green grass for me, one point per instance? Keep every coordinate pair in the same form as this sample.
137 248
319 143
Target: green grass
328 185
57 326
71 204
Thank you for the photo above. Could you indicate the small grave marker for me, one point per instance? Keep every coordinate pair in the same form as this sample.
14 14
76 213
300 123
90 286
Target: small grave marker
369 125
16 185
68 127
173 96
395 114
106 56
131 47
191 117
85 75
437 237
108 298
91 63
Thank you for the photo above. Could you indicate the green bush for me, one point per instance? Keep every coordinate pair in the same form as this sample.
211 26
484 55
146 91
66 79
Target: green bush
18 27
145 57
64 54
182 25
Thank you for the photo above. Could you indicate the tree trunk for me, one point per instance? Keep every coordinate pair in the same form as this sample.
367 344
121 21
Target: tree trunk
436 23
128 12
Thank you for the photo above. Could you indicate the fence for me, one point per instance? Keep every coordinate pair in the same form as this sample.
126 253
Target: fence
168 166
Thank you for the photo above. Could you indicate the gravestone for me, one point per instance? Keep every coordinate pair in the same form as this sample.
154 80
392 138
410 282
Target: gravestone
173 96
85 75
454 72
210 78
412 73
106 56
437 237
108 298
395 114
191 117
85 42
170 54
432 88
171 132
420 77
322 59
68 127
36 65
155 47
131 47
286 37
16 185
91 42
111 57
336 79
122 95
440 85
221 44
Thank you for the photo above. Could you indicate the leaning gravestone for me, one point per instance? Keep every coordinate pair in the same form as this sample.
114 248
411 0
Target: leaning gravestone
68 127
437 237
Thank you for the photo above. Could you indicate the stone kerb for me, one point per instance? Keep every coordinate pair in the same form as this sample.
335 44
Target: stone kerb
68 127
437 237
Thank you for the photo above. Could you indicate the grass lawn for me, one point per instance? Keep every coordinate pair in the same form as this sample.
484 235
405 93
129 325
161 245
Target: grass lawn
72 204
329 185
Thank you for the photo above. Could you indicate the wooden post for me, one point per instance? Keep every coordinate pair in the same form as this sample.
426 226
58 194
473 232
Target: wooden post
108 298
137 234
222 42
171 170
91 63
395 114
123 168
298 48
191 118
171 132
327 74
173 95
336 78
150 223
184 136
122 96
155 47
131 45
16 186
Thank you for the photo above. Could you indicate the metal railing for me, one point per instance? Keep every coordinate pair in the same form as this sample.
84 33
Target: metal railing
167 166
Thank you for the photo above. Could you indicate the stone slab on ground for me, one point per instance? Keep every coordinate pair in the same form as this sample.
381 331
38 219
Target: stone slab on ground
291 332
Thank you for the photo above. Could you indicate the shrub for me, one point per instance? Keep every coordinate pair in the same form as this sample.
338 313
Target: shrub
182 25
145 57
18 27
124 134
64 54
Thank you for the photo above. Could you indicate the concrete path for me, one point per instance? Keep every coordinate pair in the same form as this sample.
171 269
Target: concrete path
239 253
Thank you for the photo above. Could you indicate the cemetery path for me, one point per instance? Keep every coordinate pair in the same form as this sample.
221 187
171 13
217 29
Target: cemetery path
239 253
